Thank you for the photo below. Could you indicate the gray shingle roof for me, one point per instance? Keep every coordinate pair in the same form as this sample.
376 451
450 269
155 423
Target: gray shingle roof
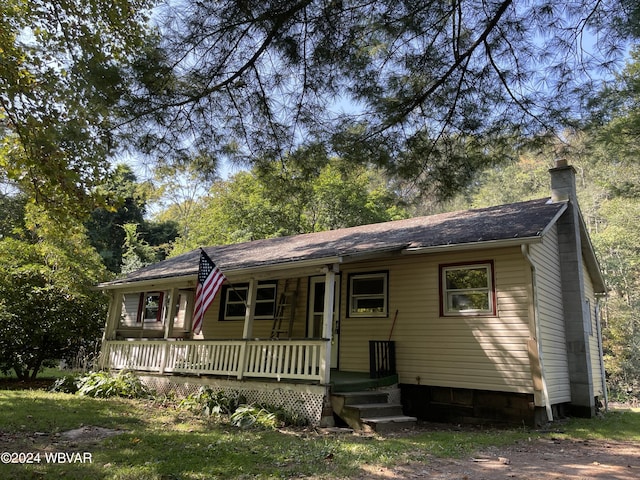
524 220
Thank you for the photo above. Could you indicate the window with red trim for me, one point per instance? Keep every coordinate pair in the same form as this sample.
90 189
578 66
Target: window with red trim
150 307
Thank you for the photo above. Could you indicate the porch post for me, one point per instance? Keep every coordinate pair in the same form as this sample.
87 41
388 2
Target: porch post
110 327
247 332
113 317
170 313
251 310
327 321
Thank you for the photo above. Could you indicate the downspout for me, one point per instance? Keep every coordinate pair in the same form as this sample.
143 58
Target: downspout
603 373
545 391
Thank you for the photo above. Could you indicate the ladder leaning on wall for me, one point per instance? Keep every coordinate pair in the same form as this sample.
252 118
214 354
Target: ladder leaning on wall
285 310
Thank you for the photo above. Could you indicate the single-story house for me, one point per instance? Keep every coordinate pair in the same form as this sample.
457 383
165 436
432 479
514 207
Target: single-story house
488 314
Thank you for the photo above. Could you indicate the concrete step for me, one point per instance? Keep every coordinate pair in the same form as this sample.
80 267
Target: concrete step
360 398
389 424
371 410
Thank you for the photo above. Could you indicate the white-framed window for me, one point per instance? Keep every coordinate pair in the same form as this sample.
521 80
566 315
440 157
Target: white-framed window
467 289
368 294
235 301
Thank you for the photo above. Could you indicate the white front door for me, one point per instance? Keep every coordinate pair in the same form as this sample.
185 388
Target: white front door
316 312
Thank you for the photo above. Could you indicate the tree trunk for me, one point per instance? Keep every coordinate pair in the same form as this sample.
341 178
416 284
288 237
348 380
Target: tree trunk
36 369
20 373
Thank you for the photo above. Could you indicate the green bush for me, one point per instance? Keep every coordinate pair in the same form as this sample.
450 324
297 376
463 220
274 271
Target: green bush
66 384
218 402
284 416
212 402
105 385
252 415
266 416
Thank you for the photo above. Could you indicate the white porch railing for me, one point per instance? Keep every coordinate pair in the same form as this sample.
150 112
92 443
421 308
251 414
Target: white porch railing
278 359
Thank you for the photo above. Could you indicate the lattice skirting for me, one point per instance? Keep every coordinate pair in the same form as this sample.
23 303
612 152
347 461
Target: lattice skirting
304 400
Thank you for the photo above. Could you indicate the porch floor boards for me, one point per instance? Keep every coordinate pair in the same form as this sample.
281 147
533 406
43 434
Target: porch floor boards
358 381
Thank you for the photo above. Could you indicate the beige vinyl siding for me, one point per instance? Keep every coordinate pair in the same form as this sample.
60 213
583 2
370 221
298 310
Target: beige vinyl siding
551 317
130 302
129 327
594 348
482 352
300 323
214 328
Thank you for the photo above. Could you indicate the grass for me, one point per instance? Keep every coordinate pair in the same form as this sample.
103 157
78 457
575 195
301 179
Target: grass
47 373
161 442
618 424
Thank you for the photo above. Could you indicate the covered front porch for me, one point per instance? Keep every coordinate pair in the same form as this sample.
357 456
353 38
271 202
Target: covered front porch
277 359
149 328
293 373
286 359
273 336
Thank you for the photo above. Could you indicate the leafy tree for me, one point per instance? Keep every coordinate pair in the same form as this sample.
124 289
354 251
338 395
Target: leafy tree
526 179
178 189
12 208
48 309
432 90
346 197
277 199
618 243
104 226
137 253
107 226
236 210
63 77
616 109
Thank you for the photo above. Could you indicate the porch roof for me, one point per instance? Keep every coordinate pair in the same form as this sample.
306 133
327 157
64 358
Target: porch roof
520 221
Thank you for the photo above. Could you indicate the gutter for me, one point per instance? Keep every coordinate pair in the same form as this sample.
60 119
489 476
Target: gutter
151 282
480 244
191 277
545 391
270 267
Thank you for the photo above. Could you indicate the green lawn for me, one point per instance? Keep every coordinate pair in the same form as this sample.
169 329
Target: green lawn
160 441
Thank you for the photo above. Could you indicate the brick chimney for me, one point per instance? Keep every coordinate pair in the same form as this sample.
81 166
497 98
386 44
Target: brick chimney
563 181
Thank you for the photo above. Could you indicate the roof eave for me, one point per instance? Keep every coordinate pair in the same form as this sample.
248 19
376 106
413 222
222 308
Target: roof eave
506 242
276 267
148 282
232 273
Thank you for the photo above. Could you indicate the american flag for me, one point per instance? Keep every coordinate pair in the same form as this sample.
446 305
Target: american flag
210 279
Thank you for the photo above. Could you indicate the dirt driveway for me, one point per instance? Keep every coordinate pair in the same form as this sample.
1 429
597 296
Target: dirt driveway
538 459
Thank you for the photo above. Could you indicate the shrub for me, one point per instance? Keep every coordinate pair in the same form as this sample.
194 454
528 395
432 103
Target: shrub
105 385
252 415
66 384
286 417
212 402
266 416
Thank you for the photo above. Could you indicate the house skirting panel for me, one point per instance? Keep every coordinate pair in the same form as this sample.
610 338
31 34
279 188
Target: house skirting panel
460 405
304 400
